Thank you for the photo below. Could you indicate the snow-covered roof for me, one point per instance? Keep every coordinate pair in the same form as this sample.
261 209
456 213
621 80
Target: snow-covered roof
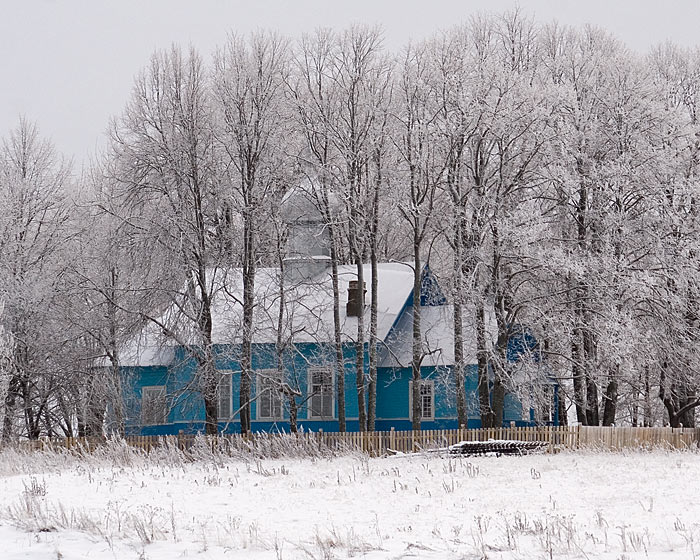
437 327
308 310
146 350
307 316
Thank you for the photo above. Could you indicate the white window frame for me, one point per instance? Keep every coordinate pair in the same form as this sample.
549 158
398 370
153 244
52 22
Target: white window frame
265 377
224 381
329 394
424 383
150 395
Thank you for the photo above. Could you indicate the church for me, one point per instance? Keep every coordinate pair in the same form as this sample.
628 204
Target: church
296 383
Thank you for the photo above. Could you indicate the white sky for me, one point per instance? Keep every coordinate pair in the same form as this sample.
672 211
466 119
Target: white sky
70 64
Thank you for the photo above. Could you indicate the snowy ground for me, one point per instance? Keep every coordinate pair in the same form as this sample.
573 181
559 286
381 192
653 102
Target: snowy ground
121 505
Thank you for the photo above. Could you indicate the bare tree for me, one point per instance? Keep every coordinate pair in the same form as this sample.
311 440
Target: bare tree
164 159
497 209
313 96
342 95
424 151
248 84
107 287
32 218
672 309
361 75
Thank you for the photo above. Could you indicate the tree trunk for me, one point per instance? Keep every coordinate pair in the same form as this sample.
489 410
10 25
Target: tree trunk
247 331
417 343
562 413
592 418
458 327
589 351
577 364
482 358
210 390
32 420
648 421
211 426
118 400
207 365
610 398
499 388
293 412
115 381
339 358
10 403
459 374
372 387
360 349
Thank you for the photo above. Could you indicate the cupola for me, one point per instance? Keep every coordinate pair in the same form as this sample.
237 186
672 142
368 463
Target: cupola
308 241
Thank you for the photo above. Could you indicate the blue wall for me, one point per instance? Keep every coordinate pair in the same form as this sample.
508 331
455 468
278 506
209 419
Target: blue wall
187 406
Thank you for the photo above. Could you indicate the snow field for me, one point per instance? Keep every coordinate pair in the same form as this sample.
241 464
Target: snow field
121 504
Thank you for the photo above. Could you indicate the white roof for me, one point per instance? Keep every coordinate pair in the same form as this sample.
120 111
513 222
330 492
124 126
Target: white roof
307 317
146 351
308 314
437 328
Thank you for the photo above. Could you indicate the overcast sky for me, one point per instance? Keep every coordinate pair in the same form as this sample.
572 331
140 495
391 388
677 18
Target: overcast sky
69 64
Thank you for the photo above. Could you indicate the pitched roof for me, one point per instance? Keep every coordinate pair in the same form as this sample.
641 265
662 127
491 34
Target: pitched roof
307 317
437 327
308 310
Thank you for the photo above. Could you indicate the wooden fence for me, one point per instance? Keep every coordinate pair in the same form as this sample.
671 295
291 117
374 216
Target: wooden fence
381 443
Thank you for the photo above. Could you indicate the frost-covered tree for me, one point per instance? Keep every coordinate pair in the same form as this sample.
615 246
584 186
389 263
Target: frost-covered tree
424 153
501 144
107 286
671 307
361 74
249 77
33 181
342 93
165 163
5 364
609 148
313 99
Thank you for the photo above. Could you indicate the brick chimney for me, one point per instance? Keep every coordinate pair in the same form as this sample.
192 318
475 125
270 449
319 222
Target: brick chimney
356 298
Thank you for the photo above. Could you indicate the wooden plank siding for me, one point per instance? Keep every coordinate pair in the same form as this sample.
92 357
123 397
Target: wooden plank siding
382 443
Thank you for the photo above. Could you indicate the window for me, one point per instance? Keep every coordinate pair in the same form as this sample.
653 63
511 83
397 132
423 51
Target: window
224 395
269 401
427 399
321 393
153 405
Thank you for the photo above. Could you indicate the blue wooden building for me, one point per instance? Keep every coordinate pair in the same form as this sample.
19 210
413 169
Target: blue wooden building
294 367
